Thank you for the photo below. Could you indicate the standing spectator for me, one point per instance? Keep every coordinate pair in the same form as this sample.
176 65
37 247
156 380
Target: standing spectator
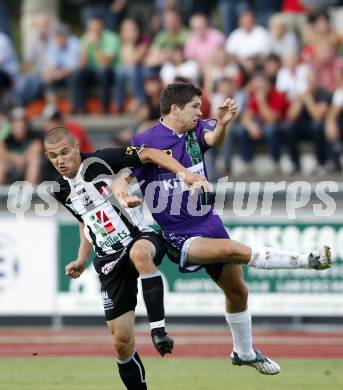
99 56
266 109
129 72
334 125
111 11
5 21
305 119
229 11
174 34
62 59
249 40
29 85
30 9
284 41
293 12
9 64
264 9
203 39
21 151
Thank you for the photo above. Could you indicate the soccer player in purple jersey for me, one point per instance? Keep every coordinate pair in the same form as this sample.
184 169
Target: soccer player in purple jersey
198 240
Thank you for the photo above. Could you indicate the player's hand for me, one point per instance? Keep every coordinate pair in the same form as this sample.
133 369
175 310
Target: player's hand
227 111
195 181
75 268
129 201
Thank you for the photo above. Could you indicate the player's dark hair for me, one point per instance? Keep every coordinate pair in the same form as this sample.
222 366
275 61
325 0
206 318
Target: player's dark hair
56 134
179 94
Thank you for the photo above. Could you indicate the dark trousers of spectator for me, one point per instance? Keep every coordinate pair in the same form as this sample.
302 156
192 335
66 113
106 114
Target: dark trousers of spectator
272 136
128 76
335 148
230 144
84 79
306 129
229 11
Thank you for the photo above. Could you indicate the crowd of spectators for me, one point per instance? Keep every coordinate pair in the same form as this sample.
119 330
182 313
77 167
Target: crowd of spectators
281 60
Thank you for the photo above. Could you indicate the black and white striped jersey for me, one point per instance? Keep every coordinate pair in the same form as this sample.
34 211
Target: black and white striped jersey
88 196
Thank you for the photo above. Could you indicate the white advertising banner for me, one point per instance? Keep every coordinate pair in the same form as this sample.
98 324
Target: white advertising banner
28 272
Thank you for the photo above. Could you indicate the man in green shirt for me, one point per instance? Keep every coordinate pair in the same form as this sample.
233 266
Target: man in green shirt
174 34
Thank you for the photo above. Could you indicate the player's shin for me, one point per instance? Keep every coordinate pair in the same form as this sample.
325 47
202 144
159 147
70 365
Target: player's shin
240 326
152 287
270 258
132 372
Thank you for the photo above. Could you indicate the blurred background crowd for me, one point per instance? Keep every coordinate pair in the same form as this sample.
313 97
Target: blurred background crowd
281 60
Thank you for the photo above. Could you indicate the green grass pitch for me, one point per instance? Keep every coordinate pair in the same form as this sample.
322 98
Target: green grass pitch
41 373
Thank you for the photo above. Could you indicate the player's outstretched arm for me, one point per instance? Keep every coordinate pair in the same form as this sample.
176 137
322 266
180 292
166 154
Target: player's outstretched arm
156 156
75 268
225 114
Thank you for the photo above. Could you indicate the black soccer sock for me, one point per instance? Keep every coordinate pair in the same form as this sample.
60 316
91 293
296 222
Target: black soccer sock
132 373
152 286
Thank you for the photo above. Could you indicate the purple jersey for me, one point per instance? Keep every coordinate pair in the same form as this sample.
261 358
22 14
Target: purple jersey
171 204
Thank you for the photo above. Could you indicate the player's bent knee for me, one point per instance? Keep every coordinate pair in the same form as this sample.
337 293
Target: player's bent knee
238 293
141 256
123 345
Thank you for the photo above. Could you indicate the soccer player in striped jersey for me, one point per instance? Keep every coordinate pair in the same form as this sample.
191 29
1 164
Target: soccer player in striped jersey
196 239
125 246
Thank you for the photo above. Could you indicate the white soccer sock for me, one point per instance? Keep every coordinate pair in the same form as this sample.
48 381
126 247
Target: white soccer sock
240 326
271 258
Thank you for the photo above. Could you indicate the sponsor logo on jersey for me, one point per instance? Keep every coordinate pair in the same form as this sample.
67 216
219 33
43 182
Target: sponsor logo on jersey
102 224
114 239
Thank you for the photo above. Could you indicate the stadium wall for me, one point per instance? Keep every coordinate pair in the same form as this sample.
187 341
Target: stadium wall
33 253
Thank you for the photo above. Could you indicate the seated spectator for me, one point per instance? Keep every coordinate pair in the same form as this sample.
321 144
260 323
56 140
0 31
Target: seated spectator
249 40
203 39
221 65
174 34
149 109
334 125
305 120
292 78
53 118
262 119
129 71
327 64
62 59
147 113
319 32
271 67
20 151
283 41
227 87
30 84
99 56
178 66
